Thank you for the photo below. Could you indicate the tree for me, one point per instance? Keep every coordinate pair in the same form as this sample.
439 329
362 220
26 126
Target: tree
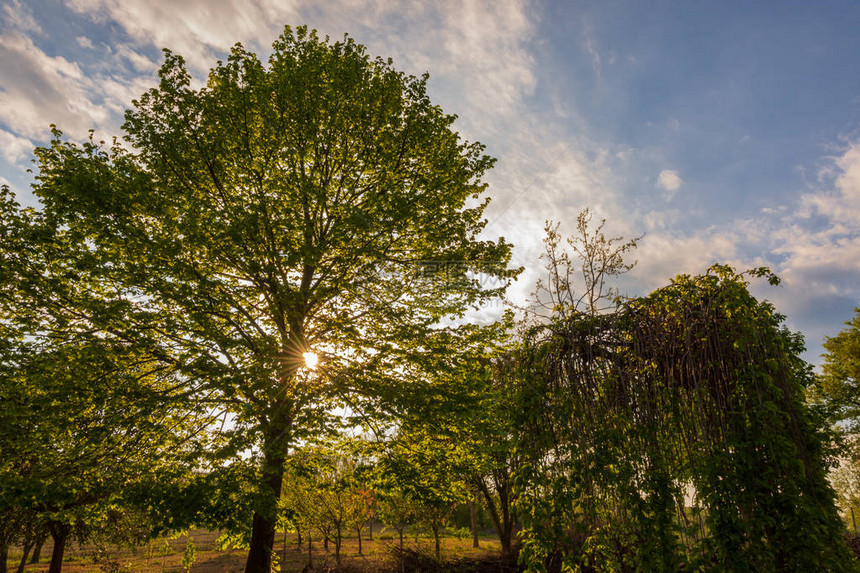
837 392
424 486
693 393
397 510
602 260
300 508
320 202
90 417
83 426
460 420
838 385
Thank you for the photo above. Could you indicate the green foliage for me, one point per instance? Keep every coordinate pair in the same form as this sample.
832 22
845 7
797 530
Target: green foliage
189 555
85 424
836 392
324 494
673 431
838 385
396 509
304 203
93 416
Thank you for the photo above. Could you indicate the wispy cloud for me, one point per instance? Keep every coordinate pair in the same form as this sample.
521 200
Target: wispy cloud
589 41
821 241
17 16
197 29
84 42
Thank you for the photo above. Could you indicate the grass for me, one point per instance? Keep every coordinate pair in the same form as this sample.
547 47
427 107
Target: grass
165 555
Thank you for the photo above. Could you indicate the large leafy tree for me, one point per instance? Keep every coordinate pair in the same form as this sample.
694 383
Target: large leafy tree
320 202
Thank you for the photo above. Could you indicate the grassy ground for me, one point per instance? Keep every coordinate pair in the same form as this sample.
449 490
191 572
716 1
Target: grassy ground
165 556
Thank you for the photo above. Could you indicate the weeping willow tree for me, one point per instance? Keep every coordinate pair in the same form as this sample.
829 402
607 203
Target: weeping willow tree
671 434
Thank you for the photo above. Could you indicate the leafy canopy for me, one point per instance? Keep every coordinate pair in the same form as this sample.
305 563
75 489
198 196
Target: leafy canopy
319 201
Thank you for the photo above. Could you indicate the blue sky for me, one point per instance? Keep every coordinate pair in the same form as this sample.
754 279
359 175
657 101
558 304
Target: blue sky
722 131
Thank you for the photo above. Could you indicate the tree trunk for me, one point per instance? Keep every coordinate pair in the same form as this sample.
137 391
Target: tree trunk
370 527
266 513
402 557
4 557
310 551
507 522
299 540
262 542
37 551
27 546
436 537
59 533
358 531
503 523
473 517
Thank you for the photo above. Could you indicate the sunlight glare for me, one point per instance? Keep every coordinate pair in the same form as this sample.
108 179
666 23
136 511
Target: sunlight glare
311 360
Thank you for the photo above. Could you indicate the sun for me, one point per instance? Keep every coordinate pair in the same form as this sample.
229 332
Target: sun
311 360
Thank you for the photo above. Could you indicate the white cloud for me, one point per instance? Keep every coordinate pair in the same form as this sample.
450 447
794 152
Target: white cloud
13 148
138 61
840 200
665 254
661 220
669 181
590 44
488 41
474 49
821 243
196 29
40 89
84 42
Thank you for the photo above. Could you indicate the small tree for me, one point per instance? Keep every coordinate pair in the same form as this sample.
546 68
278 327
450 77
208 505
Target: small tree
601 260
432 514
189 555
300 504
396 510
357 510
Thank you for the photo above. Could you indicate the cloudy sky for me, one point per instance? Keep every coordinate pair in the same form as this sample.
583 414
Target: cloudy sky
721 131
